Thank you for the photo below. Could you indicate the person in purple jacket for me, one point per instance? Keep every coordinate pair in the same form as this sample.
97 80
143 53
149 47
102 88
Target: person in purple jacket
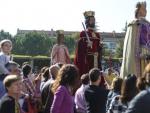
63 88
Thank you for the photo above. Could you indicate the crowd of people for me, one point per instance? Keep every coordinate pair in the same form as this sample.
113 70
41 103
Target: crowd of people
60 89
82 86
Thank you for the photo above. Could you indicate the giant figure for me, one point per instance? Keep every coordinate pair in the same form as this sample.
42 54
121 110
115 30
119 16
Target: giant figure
136 51
89 50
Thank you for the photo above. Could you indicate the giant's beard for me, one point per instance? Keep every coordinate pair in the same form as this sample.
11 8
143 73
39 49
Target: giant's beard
91 25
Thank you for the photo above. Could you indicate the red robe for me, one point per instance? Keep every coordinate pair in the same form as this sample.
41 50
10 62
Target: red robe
83 58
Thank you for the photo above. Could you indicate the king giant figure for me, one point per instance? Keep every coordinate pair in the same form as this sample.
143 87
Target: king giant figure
89 49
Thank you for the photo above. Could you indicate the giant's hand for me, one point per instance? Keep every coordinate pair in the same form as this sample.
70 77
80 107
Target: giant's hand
89 43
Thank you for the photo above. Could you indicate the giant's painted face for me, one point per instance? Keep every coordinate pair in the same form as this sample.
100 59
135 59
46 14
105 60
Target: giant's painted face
143 11
91 22
60 38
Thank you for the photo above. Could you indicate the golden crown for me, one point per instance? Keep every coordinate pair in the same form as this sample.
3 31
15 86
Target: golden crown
89 13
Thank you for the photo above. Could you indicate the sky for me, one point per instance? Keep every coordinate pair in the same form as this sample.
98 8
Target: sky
111 15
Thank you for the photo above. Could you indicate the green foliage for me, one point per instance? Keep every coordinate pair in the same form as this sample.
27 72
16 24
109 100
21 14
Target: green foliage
33 43
5 35
119 49
70 43
106 52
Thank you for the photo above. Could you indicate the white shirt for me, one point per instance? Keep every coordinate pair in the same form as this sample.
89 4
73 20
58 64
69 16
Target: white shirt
4 59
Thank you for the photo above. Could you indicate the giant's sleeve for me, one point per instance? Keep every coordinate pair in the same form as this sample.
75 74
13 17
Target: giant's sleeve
53 54
67 55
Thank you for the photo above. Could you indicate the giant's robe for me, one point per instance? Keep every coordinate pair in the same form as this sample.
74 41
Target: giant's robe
84 56
60 54
136 48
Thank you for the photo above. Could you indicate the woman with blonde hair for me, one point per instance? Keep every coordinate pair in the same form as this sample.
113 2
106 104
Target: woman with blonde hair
144 81
115 90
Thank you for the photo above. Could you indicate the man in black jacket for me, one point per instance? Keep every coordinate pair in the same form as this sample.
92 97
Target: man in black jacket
95 95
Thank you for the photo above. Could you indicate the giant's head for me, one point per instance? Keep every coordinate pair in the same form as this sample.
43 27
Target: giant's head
89 19
140 10
60 36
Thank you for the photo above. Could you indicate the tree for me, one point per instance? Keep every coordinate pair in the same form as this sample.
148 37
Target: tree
33 43
5 35
70 43
119 49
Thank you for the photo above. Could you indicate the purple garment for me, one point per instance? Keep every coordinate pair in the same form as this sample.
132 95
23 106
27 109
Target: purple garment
145 35
63 102
142 41
80 99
